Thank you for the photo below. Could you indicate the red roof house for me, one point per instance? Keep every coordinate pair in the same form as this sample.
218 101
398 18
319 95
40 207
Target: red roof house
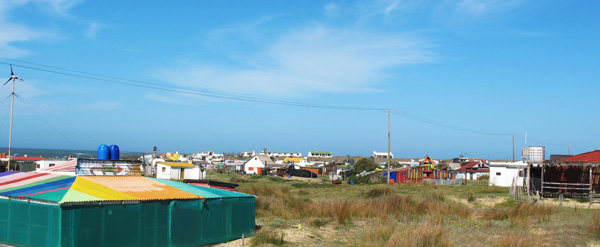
593 156
23 158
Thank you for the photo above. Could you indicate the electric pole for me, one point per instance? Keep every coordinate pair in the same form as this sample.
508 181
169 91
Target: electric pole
513 137
389 145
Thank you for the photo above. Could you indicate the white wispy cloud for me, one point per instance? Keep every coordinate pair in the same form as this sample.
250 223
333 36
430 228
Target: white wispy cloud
93 29
11 31
163 98
103 106
315 59
331 10
466 9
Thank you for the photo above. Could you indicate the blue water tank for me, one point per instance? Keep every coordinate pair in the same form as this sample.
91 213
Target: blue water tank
114 152
103 152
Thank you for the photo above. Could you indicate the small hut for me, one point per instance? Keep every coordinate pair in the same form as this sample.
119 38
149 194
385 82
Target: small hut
575 176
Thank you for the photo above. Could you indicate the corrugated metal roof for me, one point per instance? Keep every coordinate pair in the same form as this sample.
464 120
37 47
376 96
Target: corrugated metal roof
22 158
206 192
8 173
142 188
177 164
593 156
68 166
63 189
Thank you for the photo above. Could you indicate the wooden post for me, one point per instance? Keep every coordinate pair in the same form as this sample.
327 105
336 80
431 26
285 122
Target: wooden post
591 185
560 198
542 183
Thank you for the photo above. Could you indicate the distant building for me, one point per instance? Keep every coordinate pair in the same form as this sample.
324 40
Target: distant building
280 154
381 155
257 163
473 170
248 154
505 173
42 164
315 154
534 153
179 170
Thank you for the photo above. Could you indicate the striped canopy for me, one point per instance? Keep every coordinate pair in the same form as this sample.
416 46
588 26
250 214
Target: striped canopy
64 189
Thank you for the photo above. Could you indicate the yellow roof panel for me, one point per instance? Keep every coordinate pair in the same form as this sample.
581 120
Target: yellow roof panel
100 191
141 187
178 164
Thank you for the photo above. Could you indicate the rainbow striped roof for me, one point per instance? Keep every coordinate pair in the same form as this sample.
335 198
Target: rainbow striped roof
66 190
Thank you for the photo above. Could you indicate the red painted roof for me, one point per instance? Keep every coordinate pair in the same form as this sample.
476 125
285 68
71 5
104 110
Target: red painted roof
22 158
593 156
477 167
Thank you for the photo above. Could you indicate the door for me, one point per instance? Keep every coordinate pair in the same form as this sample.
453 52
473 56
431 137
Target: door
182 174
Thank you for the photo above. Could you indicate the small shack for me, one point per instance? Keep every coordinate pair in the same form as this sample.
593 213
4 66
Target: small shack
179 170
416 174
574 176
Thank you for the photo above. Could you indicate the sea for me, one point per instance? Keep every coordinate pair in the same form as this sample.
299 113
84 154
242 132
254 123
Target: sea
58 154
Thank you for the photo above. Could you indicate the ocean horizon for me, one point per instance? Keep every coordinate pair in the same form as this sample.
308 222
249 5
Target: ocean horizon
56 153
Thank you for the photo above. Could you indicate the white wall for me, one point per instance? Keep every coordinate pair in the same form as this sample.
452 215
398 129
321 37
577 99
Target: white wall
504 176
159 171
255 163
46 163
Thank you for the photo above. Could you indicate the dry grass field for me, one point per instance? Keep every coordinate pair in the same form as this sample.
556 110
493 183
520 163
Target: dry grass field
317 213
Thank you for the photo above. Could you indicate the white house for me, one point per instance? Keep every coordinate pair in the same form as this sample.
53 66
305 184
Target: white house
504 173
247 154
381 155
473 170
314 154
179 170
280 154
42 164
258 162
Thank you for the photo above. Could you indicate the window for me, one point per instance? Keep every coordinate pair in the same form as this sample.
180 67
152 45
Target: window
51 165
498 173
164 169
250 168
521 173
38 166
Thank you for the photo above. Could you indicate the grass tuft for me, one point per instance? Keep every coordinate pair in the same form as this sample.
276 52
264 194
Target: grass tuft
424 235
268 237
594 225
378 192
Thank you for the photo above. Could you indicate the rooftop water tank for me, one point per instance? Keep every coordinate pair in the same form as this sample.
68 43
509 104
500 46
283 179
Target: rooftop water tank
103 152
114 152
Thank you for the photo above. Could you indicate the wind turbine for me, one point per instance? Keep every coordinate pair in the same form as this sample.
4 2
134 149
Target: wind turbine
12 78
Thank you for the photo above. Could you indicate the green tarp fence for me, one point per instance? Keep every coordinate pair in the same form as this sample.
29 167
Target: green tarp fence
156 223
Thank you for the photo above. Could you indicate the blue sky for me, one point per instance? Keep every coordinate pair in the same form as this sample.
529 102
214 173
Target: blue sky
489 68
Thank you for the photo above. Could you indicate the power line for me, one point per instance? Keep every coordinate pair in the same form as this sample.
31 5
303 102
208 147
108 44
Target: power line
61 121
439 124
137 83
48 123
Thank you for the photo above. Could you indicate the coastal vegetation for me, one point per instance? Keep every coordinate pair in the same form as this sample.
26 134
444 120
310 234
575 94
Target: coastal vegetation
317 213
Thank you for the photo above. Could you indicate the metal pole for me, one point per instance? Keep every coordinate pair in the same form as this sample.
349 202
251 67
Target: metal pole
389 147
12 103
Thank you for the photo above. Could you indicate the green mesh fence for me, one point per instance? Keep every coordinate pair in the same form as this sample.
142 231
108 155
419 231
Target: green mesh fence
29 224
159 223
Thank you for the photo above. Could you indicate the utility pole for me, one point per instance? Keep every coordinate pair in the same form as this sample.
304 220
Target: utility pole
389 145
569 149
513 137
